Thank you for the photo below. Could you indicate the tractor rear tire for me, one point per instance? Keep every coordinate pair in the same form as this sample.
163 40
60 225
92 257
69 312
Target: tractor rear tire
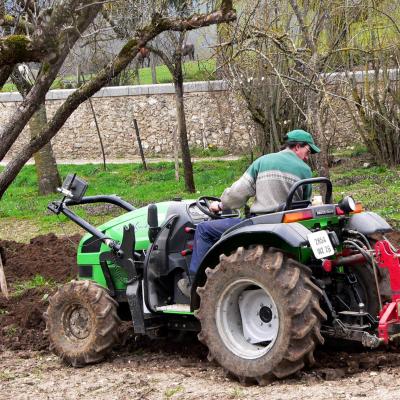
260 314
82 323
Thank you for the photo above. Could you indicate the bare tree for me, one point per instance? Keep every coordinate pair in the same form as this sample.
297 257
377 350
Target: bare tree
280 56
53 33
374 104
174 65
171 49
45 163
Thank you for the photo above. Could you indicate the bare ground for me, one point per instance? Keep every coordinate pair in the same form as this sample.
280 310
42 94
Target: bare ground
144 369
160 375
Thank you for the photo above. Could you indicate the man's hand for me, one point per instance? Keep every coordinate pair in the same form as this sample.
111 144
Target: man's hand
215 207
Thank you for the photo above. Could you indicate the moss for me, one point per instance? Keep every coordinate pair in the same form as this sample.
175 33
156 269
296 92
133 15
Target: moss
45 67
127 49
18 44
8 18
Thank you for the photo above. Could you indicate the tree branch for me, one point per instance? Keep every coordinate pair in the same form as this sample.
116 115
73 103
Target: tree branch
48 72
128 52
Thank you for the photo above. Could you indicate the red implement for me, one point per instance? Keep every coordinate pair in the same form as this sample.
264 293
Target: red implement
389 315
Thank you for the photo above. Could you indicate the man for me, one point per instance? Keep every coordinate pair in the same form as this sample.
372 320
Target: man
268 180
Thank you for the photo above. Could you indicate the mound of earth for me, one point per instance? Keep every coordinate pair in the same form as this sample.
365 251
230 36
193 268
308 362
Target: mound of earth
21 321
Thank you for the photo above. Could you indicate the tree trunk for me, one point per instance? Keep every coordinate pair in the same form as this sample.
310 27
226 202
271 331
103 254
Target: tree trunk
176 156
153 69
46 166
45 163
181 119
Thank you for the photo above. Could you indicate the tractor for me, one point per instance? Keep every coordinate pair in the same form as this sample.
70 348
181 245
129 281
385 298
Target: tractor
272 289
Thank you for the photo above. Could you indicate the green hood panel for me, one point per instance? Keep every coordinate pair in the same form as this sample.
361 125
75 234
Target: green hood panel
138 218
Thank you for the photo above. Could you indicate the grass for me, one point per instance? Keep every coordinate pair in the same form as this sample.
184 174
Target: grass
130 181
377 188
10 330
172 391
203 70
209 151
38 281
193 71
7 376
351 151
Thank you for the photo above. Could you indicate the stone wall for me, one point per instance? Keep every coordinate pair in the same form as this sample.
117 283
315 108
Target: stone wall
214 117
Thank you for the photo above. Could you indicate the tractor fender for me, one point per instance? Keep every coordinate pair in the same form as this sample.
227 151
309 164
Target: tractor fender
368 223
292 234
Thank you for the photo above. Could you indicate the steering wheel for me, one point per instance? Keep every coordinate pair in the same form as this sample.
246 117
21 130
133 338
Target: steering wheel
203 203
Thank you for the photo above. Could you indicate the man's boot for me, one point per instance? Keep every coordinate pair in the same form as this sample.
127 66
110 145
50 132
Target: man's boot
185 286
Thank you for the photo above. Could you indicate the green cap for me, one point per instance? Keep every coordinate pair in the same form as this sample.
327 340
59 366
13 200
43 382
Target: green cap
298 135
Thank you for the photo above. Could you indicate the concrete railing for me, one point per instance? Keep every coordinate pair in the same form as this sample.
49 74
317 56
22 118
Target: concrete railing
119 91
190 87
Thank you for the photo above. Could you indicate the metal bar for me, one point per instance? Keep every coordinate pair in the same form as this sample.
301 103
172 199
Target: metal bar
83 224
102 199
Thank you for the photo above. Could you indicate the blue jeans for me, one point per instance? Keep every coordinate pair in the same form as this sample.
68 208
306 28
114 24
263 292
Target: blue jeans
207 233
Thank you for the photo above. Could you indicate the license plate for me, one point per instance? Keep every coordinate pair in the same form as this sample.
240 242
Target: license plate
320 244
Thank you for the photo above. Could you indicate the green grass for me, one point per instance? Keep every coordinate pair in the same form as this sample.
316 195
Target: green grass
377 188
130 181
38 281
170 392
193 71
351 151
209 151
203 70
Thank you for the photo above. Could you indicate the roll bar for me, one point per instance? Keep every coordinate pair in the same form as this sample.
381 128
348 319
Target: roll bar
321 179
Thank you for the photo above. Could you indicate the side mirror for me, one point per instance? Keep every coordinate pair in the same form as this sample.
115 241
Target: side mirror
73 187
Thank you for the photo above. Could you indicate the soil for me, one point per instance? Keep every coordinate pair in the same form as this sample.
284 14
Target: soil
151 369
21 321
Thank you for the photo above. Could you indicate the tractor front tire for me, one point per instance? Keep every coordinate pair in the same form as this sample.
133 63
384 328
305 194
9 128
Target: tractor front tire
260 314
82 323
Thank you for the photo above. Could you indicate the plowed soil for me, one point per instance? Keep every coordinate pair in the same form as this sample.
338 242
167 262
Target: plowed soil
151 369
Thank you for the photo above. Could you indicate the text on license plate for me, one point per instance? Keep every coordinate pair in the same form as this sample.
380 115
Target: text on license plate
320 244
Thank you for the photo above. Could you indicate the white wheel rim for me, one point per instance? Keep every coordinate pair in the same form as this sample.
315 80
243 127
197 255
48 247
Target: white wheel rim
247 319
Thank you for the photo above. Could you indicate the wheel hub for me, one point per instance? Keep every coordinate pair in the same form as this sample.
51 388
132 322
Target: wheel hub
77 322
265 314
247 319
259 316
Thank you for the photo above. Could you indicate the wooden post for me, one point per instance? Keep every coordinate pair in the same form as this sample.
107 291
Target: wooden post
176 155
97 128
153 68
139 143
3 282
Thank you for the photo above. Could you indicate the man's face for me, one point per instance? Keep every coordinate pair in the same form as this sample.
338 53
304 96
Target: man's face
302 152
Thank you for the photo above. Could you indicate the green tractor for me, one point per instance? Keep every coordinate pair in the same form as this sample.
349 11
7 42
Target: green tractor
273 287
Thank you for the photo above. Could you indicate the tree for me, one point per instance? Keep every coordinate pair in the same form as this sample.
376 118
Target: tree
169 50
283 57
52 34
174 65
45 163
375 104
